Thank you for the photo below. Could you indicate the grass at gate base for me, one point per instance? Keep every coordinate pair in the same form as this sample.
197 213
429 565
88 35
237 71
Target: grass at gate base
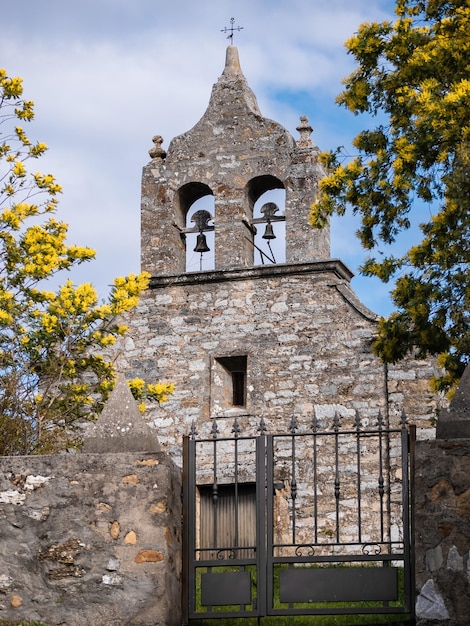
309 620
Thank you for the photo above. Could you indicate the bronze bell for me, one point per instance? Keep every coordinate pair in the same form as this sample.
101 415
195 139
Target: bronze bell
201 244
269 233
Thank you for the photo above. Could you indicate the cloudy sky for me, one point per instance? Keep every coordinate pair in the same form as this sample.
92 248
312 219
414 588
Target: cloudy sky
107 75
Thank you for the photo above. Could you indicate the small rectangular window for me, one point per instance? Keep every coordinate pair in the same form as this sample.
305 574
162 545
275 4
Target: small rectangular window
232 374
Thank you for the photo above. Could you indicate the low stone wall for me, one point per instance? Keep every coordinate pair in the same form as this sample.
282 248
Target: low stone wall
90 539
442 523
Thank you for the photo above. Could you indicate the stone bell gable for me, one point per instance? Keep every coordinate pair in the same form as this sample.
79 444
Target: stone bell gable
235 155
250 337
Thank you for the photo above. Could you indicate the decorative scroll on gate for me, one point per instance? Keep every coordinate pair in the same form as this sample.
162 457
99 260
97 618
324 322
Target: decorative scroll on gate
299 523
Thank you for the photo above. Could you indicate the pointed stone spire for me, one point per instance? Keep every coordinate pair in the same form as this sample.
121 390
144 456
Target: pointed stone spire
120 427
232 62
232 89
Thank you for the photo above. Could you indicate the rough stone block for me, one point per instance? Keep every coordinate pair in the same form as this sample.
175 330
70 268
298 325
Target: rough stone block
430 603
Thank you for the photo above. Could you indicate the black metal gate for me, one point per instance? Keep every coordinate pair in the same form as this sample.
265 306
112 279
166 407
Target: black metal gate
298 523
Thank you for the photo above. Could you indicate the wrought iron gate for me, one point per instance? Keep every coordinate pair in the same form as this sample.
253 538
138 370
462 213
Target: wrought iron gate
298 523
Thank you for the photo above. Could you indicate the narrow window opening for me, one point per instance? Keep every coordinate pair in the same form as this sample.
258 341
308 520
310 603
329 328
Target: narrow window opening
238 384
229 384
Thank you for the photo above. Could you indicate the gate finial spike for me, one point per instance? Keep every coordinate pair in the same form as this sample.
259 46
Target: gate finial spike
262 426
214 430
236 428
314 422
357 421
193 431
336 422
293 424
403 418
380 421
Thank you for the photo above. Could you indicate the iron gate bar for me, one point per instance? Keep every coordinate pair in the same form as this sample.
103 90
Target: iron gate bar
270 522
337 481
293 482
315 477
357 422
381 478
236 432
408 440
214 484
338 558
261 528
186 523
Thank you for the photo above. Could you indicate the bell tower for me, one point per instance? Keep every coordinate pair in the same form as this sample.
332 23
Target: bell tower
233 156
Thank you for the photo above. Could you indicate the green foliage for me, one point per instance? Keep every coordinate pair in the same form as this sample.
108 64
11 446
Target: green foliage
413 76
52 371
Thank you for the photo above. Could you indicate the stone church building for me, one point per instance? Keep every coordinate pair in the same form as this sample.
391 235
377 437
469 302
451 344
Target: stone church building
265 324
255 324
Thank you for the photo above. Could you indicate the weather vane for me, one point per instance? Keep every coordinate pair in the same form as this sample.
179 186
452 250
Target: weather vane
230 29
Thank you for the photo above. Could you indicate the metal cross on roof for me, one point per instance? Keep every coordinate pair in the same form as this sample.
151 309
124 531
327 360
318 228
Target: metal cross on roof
230 29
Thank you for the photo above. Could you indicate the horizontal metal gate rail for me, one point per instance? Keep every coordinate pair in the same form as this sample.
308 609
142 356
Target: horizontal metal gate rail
299 523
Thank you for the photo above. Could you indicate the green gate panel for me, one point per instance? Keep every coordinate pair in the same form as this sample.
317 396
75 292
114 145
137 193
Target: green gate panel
336 584
225 588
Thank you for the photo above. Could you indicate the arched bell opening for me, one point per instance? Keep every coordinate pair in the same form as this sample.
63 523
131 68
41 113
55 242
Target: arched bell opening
267 199
196 209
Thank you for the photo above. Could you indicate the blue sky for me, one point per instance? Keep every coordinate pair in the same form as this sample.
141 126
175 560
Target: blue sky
108 75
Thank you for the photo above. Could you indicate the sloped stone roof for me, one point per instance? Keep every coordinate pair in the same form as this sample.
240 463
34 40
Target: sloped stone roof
120 427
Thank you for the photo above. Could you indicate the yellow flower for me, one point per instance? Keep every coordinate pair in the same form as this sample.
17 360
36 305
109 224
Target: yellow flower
136 384
47 181
5 318
108 340
38 149
19 169
12 87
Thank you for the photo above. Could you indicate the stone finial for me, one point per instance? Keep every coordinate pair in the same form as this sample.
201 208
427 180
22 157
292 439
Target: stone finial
157 151
232 62
120 427
454 422
305 131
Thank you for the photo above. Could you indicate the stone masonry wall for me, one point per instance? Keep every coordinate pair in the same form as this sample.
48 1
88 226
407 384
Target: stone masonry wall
90 539
443 532
306 337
